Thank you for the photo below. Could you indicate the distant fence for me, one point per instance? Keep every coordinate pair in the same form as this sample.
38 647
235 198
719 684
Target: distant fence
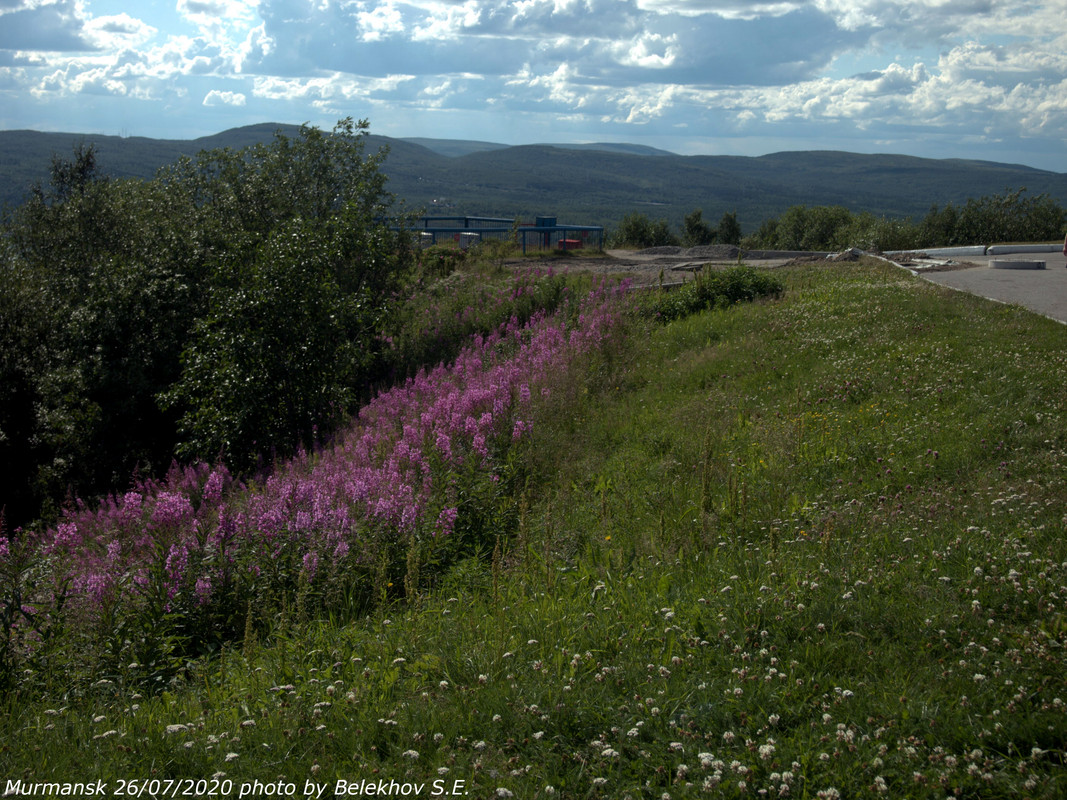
542 234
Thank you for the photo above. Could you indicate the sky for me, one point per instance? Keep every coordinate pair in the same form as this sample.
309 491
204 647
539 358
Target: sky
982 79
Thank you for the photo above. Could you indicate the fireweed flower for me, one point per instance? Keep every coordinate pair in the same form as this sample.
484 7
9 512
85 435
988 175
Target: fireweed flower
392 473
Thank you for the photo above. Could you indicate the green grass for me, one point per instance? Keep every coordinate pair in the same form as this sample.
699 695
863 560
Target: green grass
809 547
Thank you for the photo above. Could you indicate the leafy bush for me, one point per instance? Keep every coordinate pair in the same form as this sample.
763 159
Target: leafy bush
440 260
714 289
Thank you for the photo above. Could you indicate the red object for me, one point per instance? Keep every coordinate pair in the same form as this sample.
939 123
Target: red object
570 244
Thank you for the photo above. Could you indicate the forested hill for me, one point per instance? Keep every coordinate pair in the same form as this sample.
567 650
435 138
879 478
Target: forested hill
593 184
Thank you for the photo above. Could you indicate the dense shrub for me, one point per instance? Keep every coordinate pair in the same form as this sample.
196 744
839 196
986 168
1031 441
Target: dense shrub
714 289
231 306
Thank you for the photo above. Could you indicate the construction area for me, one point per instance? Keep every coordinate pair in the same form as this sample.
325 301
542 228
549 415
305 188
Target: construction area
545 233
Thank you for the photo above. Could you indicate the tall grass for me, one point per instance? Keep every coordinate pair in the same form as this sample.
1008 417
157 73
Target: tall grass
802 548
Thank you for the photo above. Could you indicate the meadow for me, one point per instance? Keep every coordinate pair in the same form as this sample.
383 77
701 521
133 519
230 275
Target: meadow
796 543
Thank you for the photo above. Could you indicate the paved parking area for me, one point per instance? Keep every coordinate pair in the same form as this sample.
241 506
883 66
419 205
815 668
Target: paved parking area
1040 290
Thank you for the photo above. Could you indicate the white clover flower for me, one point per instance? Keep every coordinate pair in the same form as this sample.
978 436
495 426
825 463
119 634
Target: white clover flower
232 756
412 754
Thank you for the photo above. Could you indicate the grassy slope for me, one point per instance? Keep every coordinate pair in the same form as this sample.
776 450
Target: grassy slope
814 543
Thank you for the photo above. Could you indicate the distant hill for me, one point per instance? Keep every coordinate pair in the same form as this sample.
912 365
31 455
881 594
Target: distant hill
460 147
617 147
454 147
587 184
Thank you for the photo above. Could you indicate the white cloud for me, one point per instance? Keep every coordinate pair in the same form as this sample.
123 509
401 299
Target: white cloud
118 31
649 51
728 9
334 88
381 22
221 98
642 105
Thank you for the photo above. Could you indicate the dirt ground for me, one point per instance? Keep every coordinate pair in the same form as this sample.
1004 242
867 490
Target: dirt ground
662 265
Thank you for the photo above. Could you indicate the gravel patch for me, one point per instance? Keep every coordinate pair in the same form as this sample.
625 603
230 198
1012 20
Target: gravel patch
713 251
666 250
703 251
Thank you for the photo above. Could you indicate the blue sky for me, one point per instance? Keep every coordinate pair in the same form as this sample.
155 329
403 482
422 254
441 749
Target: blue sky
983 79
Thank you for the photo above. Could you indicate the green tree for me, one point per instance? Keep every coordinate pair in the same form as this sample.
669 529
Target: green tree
290 338
1009 217
806 228
25 349
938 227
115 286
636 230
729 231
765 236
695 231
